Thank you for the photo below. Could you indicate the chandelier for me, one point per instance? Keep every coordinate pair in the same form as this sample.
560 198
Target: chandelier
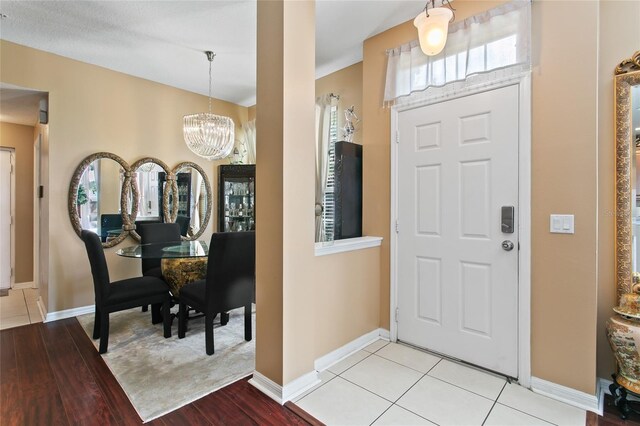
433 25
208 135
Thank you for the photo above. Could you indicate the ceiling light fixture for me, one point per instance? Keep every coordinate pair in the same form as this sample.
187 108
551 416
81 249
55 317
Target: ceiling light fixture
433 26
208 135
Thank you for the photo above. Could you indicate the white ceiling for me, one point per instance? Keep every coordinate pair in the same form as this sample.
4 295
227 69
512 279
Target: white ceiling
163 41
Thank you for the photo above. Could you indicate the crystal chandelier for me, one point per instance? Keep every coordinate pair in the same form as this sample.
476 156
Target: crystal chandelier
208 135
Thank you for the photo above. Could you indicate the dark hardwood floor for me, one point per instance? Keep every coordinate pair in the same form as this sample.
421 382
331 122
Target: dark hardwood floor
51 374
611 416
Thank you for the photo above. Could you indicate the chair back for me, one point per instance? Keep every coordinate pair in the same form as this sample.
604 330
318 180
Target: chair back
231 270
157 233
183 221
99 269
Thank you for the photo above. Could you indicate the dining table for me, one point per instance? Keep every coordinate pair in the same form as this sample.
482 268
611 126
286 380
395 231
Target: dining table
181 263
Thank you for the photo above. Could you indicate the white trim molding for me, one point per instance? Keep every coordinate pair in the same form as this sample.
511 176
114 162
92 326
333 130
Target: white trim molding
41 308
524 211
567 395
267 386
355 345
348 244
69 313
22 286
291 390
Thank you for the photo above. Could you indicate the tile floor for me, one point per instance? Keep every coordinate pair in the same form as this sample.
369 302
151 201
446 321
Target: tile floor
19 308
393 384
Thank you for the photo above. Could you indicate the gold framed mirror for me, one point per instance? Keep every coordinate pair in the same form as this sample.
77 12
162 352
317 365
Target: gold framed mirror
96 201
627 135
191 207
149 179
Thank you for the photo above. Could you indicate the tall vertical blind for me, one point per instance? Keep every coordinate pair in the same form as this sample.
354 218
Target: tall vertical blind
484 47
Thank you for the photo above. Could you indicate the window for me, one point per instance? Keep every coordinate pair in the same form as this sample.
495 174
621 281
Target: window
328 213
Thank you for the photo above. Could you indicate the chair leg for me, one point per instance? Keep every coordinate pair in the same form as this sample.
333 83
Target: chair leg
104 332
166 318
96 325
145 308
247 323
208 332
182 320
224 318
156 318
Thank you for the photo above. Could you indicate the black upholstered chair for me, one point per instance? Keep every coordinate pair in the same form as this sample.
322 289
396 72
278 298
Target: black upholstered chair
157 233
230 283
120 295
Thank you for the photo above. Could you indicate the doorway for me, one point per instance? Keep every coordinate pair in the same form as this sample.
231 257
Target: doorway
7 214
461 243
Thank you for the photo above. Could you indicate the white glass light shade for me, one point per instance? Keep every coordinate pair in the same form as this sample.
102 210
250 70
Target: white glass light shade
432 30
208 135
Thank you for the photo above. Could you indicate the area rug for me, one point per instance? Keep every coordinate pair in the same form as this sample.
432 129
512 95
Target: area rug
160 375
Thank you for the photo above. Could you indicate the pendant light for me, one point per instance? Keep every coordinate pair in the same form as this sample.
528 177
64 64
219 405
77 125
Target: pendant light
208 135
433 26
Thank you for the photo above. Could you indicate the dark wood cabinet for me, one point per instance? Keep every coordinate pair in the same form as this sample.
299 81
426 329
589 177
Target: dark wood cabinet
236 197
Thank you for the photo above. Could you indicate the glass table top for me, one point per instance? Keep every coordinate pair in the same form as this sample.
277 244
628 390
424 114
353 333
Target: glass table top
183 249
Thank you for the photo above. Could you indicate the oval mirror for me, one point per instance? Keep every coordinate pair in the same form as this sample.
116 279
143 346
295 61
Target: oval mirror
150 176
192 211
96 198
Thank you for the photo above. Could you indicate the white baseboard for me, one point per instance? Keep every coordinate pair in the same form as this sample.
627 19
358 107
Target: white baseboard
68 313
299 386
21 286
565 394
267 386
41 308
339 354
290 391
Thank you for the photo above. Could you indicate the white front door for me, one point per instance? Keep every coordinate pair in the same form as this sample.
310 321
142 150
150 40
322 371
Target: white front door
6 161
457 285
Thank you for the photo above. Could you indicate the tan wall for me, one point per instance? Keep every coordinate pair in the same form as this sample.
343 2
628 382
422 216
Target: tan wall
251 113
21 138
347 83
619 38
326 301
94 109
564 154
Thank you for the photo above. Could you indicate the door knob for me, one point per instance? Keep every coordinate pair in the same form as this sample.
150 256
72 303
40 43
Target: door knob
507 245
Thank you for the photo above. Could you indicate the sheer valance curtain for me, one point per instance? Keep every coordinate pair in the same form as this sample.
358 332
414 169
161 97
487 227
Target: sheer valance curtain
492 45
249 129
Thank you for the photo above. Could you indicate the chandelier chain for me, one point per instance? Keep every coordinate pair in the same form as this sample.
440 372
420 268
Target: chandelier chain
210 62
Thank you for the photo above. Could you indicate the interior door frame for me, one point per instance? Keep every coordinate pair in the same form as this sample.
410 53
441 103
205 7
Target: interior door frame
524 210
12 212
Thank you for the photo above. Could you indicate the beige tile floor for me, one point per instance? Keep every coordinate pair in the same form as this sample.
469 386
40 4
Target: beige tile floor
20 307
393 384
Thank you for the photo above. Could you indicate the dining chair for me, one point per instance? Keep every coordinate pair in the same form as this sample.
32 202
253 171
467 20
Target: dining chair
229 284
156 233
120 295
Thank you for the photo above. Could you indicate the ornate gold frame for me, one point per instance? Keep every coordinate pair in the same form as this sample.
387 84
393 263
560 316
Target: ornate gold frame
627 75
207 188
127 224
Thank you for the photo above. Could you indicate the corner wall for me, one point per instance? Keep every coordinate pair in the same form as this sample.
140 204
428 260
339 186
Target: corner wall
93 109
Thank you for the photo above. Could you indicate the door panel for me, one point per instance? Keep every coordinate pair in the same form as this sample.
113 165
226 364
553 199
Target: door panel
457 287
5 219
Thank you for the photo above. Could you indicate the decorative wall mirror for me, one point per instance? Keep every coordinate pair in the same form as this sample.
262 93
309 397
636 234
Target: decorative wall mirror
190 202
96 201
627 121
149 178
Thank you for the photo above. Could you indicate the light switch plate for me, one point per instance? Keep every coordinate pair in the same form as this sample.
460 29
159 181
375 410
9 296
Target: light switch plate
561 224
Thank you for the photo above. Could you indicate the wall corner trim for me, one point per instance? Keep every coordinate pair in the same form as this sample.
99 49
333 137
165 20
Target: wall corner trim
567 395
68 313
339 354
291 390
41 308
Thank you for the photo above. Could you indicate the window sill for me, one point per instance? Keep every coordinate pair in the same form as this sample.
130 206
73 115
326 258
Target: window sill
349 244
